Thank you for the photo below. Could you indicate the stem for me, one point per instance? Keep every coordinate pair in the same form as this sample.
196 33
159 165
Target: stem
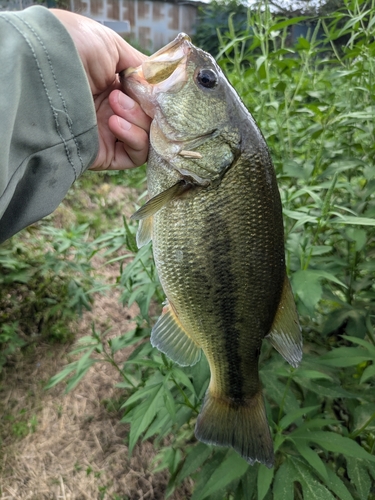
111 361
186 399
159 295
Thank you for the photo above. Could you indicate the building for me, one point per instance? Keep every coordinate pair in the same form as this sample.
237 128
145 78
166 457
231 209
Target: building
148 24
151 24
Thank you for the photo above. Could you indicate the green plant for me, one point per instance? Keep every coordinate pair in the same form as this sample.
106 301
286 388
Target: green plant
315 104
45 282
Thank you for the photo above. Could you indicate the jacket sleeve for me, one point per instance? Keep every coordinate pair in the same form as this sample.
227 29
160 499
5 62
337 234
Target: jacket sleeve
48 130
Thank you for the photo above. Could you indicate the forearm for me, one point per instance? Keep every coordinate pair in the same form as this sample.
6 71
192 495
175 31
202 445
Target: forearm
48 128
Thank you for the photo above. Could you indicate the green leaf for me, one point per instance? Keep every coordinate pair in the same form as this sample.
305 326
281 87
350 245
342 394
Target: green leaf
344 356
336 443
325 389
301 217
142 415
312 374
364 417
59 377
283 24
149 390
181 376
283 487
364 343
312 488
368 372
126 340
295 415
336 485
197 455
85 361
348 219
163 459
276 391
359 236
311 457
79 375
248 483
161 424
328 276
308 288
200 375
169 402
359 476
260 61
265 477
231 468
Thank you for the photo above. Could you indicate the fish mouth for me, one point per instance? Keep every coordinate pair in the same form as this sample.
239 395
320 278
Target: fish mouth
164 69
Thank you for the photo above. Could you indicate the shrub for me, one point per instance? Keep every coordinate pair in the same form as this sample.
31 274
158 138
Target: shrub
45 282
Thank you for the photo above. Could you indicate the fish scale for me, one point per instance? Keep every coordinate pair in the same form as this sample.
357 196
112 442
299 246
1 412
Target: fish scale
211 300
215 220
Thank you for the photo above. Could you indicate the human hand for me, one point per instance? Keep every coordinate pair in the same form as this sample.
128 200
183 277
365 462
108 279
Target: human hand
123 126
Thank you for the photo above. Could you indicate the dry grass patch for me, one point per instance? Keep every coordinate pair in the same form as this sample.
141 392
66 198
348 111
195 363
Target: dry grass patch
72 446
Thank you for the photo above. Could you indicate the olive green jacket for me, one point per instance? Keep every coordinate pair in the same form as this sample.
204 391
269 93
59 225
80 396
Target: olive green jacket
48 130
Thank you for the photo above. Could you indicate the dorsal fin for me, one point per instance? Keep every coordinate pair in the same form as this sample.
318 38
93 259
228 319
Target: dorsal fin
160 200
285 334
169 337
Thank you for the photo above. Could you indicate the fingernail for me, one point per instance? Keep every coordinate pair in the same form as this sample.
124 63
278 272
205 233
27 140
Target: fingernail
123 123
125 101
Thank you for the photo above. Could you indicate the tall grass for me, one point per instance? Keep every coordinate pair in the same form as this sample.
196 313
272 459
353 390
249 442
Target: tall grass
314 102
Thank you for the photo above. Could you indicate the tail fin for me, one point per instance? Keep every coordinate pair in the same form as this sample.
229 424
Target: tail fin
244 427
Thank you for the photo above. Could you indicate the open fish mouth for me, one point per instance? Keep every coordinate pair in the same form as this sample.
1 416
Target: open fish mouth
164 69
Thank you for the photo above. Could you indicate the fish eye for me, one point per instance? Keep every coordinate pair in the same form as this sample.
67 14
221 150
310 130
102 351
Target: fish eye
207 78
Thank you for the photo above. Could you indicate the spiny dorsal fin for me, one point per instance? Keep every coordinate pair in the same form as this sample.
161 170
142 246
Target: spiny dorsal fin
285 334
170 338
144 233
160 200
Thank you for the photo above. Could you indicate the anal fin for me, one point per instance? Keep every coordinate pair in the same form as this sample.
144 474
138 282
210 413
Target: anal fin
169 337
285 334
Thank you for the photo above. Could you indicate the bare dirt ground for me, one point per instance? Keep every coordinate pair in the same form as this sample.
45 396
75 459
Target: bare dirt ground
72 446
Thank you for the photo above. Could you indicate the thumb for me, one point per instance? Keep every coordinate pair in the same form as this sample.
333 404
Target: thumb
127 55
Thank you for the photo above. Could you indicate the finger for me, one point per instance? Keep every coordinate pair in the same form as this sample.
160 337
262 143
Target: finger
131 150
127 55
128 109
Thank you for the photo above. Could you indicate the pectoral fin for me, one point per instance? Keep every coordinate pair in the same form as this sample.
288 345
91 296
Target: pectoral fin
144 233
285 334
169 337
160 200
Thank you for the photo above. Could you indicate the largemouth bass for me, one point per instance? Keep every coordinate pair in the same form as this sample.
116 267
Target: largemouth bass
215 219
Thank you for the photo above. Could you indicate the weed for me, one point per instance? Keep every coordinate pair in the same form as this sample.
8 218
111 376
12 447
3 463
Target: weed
45 282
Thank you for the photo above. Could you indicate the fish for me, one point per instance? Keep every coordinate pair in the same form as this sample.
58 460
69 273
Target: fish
214 216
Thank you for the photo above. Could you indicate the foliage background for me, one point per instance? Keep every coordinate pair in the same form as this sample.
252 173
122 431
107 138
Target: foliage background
314 102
